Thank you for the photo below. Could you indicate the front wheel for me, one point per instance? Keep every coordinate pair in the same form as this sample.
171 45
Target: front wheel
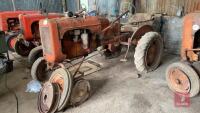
182 78
39 70
34 55
23 48
148 52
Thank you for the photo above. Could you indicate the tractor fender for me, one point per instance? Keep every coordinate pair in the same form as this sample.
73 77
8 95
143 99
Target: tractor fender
140 32
143 30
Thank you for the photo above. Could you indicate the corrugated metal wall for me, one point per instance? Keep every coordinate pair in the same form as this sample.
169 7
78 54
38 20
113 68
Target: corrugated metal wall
170 7
105 7
50 5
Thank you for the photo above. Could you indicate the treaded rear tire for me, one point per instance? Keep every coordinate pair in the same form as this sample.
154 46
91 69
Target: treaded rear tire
34 55
141 52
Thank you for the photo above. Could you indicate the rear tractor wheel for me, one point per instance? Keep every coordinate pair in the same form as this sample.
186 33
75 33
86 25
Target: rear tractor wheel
182 78
148 52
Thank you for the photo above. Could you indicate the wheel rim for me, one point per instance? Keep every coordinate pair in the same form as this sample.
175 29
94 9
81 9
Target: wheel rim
22 49
58 78
80 92
63 78
179 81
42 72
152 54
46 98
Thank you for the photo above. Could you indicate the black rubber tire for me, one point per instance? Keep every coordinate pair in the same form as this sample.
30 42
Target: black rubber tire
8 41
34 55
38 70
141 51
22 49
191 74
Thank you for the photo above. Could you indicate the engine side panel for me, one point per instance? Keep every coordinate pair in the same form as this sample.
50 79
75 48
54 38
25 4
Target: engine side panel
4 16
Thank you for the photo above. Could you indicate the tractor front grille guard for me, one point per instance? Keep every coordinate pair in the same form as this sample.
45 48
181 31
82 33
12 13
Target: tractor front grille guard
46 40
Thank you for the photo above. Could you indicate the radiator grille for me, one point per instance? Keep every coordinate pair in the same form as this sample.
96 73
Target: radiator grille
1 24
46 40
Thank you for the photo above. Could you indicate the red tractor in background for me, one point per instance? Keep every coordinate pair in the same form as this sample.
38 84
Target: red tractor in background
183 77
28 39
66 39
9 20
9 23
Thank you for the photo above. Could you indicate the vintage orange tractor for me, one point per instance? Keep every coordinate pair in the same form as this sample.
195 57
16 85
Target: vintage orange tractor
9 23
28 39
183 77
66 39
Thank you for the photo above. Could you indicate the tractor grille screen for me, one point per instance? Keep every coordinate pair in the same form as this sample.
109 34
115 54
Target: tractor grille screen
46 41
1 25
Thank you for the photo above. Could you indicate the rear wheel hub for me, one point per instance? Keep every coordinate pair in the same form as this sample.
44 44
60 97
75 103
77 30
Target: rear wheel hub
183 78
48 98
63 78
179 80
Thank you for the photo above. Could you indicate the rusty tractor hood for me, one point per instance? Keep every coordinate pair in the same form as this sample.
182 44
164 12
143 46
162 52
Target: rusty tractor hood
5 15
27 20
93 23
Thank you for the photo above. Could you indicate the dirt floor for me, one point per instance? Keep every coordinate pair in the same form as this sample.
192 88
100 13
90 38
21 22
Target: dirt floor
116 88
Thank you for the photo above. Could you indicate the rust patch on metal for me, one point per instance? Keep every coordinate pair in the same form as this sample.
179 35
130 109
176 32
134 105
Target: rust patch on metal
48 98
179 80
